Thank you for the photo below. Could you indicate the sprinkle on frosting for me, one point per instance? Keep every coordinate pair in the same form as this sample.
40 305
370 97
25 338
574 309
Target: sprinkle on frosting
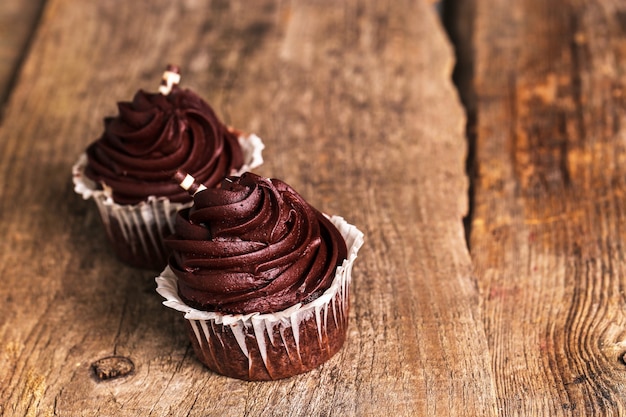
171 77
188 183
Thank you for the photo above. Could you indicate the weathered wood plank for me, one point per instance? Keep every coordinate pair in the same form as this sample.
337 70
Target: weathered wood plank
358 112
18 20
548 229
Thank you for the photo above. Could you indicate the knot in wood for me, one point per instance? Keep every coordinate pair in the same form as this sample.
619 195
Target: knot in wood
112 367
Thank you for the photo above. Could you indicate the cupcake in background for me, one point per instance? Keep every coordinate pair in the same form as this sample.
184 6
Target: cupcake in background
262 277
128 170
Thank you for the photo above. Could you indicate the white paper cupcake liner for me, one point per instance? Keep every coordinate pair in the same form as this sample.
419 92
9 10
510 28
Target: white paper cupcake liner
144 225
333 302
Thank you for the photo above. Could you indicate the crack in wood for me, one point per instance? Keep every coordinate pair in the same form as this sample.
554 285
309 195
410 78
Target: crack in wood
460 31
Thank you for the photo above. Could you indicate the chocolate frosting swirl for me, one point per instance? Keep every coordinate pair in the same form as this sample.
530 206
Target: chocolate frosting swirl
152 137
253 245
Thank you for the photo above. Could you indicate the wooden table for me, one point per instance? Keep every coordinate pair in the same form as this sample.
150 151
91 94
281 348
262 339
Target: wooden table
518 310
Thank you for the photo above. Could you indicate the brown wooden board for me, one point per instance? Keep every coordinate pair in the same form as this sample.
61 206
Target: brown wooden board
356 107
547 236
18 21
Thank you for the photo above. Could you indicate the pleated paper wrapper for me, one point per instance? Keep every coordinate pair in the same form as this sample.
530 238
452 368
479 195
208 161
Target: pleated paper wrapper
273 345
136 231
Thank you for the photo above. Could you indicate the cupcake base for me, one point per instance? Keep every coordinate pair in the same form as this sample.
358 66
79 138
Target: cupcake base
267 353
137 232
271 346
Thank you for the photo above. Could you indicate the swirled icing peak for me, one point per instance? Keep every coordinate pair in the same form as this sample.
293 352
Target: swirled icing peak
154 135
253 245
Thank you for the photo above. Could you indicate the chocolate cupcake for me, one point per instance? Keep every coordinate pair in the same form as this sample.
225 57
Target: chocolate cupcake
128 170
262 277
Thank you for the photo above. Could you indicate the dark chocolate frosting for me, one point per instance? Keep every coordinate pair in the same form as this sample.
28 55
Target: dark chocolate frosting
253 245
152 137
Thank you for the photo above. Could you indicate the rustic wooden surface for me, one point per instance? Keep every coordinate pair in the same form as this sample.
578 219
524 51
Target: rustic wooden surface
356 105
358 112
18 20
548 230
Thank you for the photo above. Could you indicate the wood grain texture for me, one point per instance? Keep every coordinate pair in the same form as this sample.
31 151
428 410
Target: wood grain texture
18 21
356 107
548 230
